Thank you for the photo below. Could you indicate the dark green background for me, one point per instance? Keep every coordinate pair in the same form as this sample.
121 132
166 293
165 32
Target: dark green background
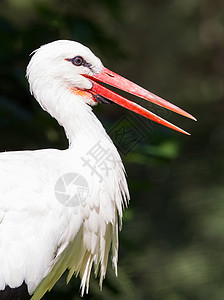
172 242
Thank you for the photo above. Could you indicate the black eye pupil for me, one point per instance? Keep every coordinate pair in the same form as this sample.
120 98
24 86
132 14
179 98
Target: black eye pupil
77 61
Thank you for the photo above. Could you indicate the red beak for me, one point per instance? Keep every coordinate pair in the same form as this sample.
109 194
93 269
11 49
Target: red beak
113 79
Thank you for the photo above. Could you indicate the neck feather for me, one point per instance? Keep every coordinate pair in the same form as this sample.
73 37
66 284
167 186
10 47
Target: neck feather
72 112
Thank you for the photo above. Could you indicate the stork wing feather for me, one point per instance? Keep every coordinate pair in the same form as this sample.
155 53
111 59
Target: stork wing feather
63 263
79 261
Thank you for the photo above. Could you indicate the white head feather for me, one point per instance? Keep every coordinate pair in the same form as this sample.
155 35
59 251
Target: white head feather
51 77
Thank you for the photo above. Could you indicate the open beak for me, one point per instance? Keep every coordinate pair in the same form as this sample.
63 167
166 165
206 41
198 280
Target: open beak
113 79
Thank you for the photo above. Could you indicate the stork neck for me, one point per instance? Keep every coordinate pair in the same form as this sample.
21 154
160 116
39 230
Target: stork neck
84 126
78 119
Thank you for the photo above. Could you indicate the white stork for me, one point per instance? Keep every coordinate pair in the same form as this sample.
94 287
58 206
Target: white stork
59 209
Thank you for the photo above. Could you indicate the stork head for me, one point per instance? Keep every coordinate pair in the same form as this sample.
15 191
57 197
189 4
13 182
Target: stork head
73 67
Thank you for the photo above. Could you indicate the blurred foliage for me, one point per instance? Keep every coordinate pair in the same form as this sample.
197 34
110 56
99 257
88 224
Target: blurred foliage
172 243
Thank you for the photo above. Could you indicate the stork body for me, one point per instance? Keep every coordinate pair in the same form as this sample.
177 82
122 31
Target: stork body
31 213
42 233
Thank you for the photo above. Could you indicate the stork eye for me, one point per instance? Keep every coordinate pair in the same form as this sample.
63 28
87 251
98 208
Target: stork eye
77 60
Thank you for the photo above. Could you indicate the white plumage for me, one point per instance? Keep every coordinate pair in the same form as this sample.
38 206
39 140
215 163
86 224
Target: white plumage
44 231
35 228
